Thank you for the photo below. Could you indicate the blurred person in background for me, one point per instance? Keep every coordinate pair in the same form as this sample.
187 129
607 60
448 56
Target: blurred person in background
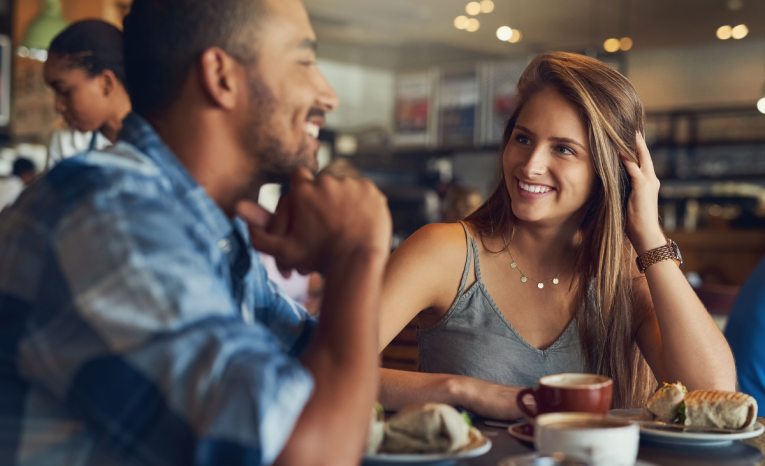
23 173
459 202
544 271
86 70
745 330
158 338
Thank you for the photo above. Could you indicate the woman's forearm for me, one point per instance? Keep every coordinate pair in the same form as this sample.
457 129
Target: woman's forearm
399 389
695 350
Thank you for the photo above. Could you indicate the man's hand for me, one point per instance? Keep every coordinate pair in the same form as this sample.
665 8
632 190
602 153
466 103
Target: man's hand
342 229
320 219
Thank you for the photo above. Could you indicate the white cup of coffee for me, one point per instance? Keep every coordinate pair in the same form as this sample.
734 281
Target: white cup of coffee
597 439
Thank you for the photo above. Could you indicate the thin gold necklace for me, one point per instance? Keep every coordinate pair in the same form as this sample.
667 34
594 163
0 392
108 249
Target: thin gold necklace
525 278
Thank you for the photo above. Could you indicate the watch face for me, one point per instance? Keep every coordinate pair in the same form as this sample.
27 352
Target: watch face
676 251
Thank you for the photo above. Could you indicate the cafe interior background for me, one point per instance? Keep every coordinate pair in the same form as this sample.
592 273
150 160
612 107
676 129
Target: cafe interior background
427 85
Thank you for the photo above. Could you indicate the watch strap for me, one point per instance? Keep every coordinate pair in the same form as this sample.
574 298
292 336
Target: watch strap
663 253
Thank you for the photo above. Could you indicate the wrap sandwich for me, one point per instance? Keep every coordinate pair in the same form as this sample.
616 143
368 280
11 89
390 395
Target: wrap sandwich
715 408
431 428
664 404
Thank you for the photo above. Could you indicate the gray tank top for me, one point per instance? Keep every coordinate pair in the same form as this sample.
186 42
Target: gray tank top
476 340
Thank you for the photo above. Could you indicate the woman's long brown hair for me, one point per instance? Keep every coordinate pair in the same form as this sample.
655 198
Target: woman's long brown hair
613 113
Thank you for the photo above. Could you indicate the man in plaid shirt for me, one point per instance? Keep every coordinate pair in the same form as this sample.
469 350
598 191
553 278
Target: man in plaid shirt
137 324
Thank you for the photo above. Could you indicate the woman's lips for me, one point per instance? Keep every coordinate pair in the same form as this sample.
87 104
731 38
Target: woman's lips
524 190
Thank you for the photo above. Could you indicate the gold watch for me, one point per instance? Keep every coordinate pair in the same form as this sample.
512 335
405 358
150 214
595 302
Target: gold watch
669 251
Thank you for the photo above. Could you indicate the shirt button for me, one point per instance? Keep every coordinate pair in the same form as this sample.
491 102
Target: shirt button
225 245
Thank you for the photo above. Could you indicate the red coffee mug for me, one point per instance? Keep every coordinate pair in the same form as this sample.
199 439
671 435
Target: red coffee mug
581 393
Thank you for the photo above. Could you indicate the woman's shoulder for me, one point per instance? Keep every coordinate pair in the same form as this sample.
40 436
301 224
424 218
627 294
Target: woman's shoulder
439 248
444 237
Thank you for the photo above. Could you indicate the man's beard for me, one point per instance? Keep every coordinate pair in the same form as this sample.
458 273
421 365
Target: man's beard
274 162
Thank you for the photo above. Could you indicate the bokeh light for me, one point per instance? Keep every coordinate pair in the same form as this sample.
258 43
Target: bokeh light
611 45
473 8
724 32
761 105
625 44
472 25
461 22
516 37
487 6
740 31
504 33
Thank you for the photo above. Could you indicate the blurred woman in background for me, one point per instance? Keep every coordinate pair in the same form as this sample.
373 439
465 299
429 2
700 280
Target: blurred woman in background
542 278
85 69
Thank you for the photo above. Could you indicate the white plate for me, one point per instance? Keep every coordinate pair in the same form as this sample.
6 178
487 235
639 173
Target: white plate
530 460
709 439
422 459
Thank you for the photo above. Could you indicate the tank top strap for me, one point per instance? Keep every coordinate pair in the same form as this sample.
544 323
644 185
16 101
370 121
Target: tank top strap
470 246
477 261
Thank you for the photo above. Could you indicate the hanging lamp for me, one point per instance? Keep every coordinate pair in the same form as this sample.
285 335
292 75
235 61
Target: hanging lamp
45 27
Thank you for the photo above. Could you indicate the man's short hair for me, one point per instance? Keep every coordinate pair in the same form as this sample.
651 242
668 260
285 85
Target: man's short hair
22 165
164 39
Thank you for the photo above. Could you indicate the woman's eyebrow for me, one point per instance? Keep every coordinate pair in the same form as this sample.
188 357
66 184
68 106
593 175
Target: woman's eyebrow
554 139
568 141
523 128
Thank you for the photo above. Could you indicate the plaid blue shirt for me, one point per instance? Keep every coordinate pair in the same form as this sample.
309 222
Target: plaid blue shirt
137 325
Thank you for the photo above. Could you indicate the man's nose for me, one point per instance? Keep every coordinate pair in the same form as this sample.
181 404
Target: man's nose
327 99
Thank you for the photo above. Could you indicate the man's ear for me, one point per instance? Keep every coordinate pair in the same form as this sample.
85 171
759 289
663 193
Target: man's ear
220 75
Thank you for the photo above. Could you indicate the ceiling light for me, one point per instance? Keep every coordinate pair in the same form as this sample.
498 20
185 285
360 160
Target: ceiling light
473 25
611 45
724 32
487 6
460 22
516 37
735 5
504 33
473 8
740 31
625 44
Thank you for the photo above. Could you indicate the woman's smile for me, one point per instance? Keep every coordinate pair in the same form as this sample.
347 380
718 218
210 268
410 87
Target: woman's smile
533 190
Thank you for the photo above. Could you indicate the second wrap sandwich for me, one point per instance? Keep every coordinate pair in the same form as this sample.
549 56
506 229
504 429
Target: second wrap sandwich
715 408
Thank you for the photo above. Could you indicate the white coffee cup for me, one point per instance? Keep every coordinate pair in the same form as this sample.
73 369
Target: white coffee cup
594 438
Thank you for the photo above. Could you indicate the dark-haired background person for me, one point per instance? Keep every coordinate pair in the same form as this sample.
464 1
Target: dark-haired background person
158 339
86 70
22 174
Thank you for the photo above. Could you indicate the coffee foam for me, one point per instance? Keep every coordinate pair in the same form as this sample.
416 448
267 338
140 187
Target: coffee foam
575 381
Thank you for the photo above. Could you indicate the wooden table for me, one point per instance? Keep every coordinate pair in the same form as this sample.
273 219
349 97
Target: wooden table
738 454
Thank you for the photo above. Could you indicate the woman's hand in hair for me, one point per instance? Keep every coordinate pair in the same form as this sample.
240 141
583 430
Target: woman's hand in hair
643 227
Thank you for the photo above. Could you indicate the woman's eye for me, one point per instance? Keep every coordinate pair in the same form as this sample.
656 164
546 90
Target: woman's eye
523 139
565 150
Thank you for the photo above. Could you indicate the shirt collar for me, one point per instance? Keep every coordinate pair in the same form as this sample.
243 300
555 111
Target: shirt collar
139 133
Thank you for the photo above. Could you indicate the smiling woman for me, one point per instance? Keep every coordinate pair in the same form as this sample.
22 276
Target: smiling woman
548 283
